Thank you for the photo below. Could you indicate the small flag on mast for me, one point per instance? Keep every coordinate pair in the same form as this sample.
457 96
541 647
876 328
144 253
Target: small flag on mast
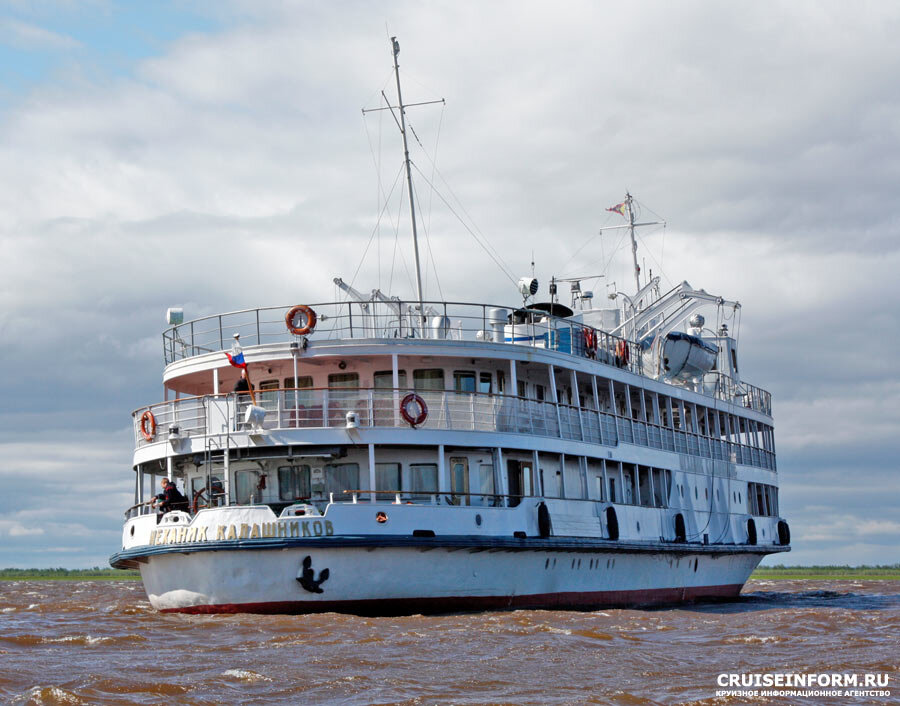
618 208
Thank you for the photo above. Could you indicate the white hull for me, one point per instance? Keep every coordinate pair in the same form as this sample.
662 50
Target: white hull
368 580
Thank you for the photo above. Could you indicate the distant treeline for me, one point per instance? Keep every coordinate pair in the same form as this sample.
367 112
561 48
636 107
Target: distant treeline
61 574
886 571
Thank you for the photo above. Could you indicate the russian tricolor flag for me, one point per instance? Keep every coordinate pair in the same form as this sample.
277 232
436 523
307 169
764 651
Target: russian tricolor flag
237 360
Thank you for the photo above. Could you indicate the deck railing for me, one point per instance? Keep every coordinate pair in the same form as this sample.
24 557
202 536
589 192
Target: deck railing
443 321
460 411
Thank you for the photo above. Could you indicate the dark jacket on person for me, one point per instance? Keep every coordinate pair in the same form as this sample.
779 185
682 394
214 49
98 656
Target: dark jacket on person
241 385
172 499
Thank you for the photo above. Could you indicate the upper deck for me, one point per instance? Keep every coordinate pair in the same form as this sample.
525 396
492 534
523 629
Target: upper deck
388 321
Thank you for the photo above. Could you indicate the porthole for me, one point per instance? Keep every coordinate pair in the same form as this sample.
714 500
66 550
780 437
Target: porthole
718 496
547 563
706 493
696 562
478 520
639 526
132 530
739 497
381 517
696 497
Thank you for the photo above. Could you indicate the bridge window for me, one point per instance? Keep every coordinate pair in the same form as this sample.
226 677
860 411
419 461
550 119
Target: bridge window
484 383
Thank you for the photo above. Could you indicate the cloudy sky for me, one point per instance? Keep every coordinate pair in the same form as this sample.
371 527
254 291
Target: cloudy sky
214 156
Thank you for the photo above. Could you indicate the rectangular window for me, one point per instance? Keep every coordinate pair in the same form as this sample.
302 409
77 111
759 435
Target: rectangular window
293 483
384 380
501 382
338 381
244 487
539 392
484 383
612 491
485 484
459 480
340 477
463 381
268 397
305 397
644 486
520 388
387 477
423 480
428 379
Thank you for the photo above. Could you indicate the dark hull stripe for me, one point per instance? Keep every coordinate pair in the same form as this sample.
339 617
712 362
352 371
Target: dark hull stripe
410 606
128 558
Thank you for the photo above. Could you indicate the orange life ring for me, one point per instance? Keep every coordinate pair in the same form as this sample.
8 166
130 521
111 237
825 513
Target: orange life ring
308 326
148 425
405 413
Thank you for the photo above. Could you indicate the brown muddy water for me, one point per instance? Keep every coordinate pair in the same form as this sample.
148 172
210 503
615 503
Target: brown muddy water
101 643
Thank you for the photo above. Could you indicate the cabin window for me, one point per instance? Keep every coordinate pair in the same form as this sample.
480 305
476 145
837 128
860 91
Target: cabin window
337 381
630 496
387 476
501 382
301 384
384 380
459 480
520 388
340 477
646 497
293 483
268 397
464 381
485 483
428 379
659 487
539 392
612 491
245 483
423 480
484 383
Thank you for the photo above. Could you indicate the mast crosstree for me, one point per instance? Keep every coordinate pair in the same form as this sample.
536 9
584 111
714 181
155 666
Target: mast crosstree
401 123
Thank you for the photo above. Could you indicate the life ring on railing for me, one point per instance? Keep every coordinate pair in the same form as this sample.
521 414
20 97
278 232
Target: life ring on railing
309 320
623 354
148 425
422 414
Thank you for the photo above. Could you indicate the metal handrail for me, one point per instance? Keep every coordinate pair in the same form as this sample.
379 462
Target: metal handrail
449 410
449 321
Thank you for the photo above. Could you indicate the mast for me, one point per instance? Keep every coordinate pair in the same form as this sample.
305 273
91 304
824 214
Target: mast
412 205
637 270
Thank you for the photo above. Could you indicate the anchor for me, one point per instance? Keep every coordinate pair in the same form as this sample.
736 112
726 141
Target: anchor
308 578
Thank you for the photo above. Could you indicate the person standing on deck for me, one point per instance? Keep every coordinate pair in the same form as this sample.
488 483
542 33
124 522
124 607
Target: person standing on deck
171 498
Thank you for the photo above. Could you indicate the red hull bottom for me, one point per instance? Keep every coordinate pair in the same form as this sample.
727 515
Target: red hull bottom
454 604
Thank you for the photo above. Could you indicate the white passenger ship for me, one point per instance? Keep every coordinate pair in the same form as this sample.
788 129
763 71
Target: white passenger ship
415 456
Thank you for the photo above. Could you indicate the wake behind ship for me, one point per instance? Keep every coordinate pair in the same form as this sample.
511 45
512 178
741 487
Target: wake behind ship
391 456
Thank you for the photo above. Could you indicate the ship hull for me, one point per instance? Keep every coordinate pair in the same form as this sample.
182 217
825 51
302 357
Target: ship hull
409 580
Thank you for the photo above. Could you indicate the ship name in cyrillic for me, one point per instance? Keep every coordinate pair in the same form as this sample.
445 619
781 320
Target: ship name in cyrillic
243 530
